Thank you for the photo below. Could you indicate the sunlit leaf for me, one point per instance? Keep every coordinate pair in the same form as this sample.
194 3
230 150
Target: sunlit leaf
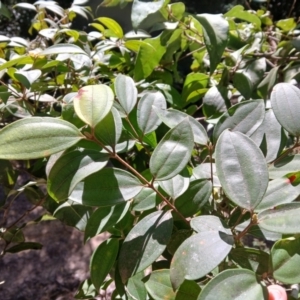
36 137
145 243
173 152
241 168
93 103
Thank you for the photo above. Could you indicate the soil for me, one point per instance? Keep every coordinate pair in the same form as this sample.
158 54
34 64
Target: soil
52 273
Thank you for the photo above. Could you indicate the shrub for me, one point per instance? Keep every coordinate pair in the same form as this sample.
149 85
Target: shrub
177 170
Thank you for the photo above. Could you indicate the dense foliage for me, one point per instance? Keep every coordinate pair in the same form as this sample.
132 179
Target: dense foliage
179 168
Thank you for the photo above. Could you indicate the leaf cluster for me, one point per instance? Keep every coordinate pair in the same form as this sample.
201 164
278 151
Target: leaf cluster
177 170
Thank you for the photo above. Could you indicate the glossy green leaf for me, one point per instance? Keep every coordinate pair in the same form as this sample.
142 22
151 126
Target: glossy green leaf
112 25
71 168
143 65
241 168
244 117
234 285
288 164
173 117
173 152
273 134
177 185
194 87
73 214
238 12
279 191
213 102
145 200
36 137
147 119
177 238
285 101
126 92
204 170
24 246
285 260
265 86
251 259
198 255
63 49
136 287
196 196
28 77
209 223
247 79
103 260
141 10
215 31
159 285
104 218
282 219
93 103
145 243
188 290
107 187
108 131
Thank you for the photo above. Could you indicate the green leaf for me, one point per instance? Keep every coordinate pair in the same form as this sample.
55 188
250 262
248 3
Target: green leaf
103 260
204 170
279 191
86 290
215 31
209 223
31 138
173 152
188 290
239 13
246 79
71 168
196 196
282 219
73 214
147 119
273 134
106 187
199 254
108 131
286 24
141 10
285 101
136 287
148 48
234 285
24 246
266 85
63 49
93 103
241 168
173 117
145 243
194 87
177 185
288 164
112 25
28 77
285 259
214 103
103 219
251 259
126 92
159 285
145 200
244 117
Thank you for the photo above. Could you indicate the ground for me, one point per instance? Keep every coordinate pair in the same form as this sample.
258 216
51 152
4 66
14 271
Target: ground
52 273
